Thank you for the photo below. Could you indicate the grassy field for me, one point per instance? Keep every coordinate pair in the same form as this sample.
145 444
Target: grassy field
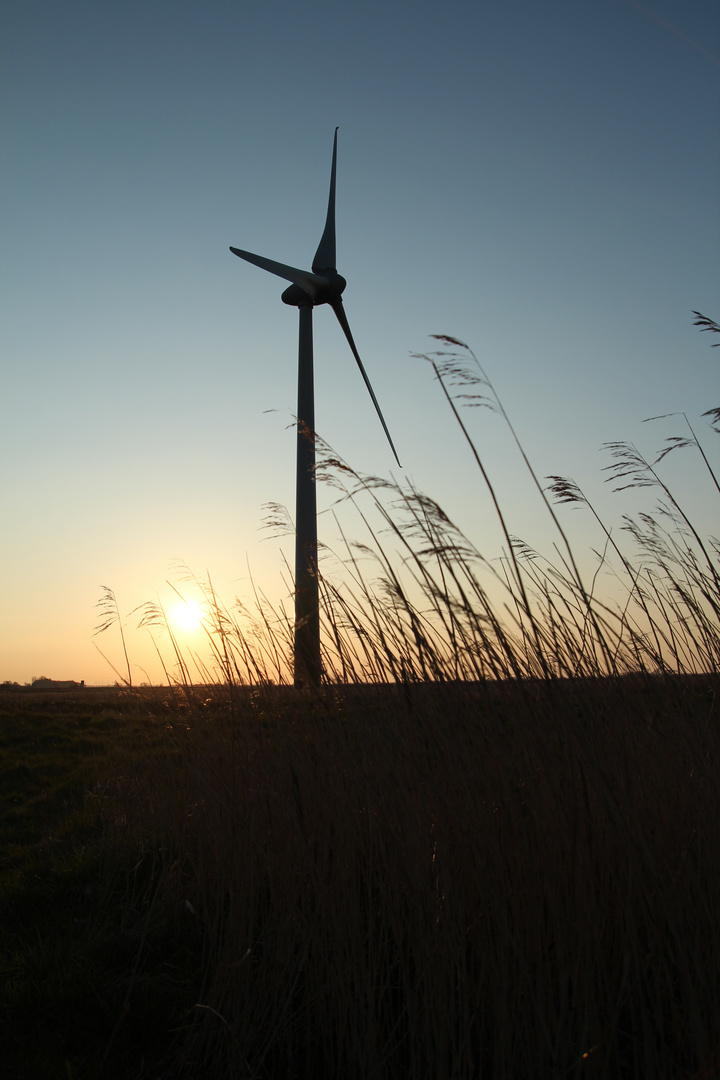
515 879
486 848
78 959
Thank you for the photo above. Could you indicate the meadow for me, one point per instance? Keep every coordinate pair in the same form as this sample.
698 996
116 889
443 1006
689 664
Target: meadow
486 847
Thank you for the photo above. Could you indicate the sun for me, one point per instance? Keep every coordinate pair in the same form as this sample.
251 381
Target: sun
187 615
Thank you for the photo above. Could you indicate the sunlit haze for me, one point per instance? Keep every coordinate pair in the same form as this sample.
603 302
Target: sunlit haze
187 616
538 180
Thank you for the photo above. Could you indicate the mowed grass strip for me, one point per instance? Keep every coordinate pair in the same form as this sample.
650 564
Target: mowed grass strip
85 951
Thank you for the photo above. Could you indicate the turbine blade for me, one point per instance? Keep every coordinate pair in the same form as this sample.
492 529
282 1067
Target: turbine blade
325 256
311 283
337 306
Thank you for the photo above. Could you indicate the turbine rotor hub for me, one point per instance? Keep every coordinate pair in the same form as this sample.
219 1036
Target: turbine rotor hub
296 296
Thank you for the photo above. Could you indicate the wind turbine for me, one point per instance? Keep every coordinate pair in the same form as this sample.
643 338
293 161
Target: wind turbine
309 289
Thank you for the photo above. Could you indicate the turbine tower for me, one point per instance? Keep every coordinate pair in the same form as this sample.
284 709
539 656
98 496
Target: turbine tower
309 289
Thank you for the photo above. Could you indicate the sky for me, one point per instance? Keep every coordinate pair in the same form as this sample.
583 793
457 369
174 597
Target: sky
538 178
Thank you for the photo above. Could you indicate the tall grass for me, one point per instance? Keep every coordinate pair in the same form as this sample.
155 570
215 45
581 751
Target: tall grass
411 599
489 880
487 846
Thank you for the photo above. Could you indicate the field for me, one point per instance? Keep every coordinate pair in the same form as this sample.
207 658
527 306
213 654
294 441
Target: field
513 879
486 848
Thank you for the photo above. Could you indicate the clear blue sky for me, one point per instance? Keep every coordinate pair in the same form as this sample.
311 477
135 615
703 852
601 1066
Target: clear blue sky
539 179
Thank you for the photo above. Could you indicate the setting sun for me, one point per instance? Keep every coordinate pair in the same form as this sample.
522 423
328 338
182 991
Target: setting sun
187 615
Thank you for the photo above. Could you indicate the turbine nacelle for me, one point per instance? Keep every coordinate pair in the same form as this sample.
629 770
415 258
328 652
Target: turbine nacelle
299 296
